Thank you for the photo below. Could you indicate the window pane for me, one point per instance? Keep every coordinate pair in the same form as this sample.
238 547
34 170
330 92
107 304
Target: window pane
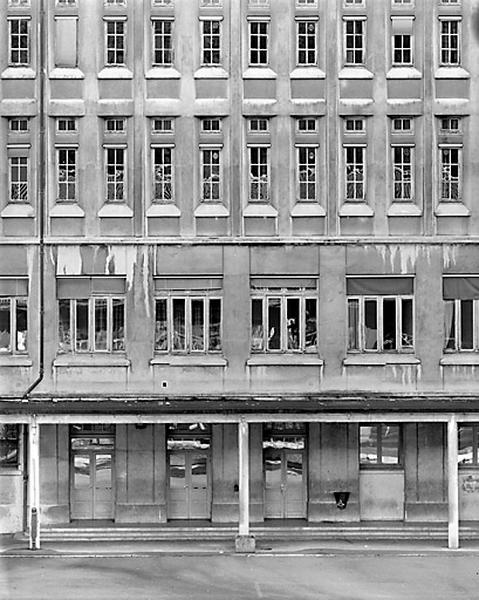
274 323
161 325
81 325
370 324
467 338
5 343
353 324
407 340
466 444
118 324
179 341
22 325
64 332
390 444
9 435
197 325
389 324
257 334
214 340
450 325
311 324
293 321
368 444
101 323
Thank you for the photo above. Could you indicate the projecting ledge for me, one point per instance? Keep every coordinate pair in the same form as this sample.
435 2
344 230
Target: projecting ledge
91 360
460 359
452 73
67 210
163 210
307 73
15 360
163 73
112 210
284 360
452 209
63 73
404 209
307 209
260 210
380 360
211 210
18 210
189 360
403 73
18 73
356 209
115 73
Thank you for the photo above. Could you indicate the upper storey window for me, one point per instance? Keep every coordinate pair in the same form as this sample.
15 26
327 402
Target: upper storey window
115 42
259 173
258 43
461 316
13 325
306 3
9 445
162 3
19 125
17 3
19 41
354 41
115 162
162 42
211 3
306 42
449 40
18 175
355 172
402 41
211 42
114 2
66 3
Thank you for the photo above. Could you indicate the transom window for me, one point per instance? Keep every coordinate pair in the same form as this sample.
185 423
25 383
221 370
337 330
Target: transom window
211 42
354 125
284 322
19 40
306 3
258 125
115 42
162 2
355 166
18 175
9 445
258 43
163 174
188 324
13 325
162 125
18 3
95 324
66 3
208 3
259 178
403 180
115 125
306 50
306 125
19 125
115 159
449 42
210 174
114 2
380 445
66 125
354 2
450 175
402 125
211 125
402 2
66 174
468 445
450 125
354 41
162 42
307 173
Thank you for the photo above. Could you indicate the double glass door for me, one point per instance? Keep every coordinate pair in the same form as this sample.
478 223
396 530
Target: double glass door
189 485
91 492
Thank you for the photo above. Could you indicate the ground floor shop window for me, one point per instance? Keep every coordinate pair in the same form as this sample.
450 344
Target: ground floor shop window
9 445
380 445
469 445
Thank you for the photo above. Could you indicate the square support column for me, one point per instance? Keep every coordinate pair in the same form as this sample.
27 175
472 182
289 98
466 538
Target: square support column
244 542
34 486
452 484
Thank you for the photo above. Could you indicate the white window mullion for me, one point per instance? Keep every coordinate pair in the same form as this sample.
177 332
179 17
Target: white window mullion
399 326
283 316
361 325
380 324
474 324
91 324
188 336
458 325
109 324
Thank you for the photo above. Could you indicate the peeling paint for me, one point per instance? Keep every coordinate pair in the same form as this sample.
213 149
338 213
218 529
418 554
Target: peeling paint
69 261
145 273
121 260
449 255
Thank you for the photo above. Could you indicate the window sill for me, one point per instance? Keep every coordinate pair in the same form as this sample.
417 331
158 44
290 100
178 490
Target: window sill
307 73
211 210
372 468
190 360
91 360
380 359
356 209
451 73
112 210
404 209
163 210
260 210
259 73
66 73
115 73
162 73
403 73
307 209
211 73
20 210
452 209
18 73
355 73
11 471
64 209
460 359
15 360
294 360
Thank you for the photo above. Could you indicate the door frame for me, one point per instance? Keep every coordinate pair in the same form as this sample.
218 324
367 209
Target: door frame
188 453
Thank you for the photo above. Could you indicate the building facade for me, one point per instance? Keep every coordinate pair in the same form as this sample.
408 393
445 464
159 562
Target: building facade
239 267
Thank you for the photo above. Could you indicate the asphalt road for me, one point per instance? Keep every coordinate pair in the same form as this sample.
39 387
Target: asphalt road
340 577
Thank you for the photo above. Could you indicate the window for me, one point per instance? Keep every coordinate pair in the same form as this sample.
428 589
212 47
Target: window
402 125
65 50
18 125
18 172
449 42
283 322
451 2
258 125
402 2
307 125
258 43
66 174
211 3
115 159
9 445
115 42
211 125
95 324
306 42
13 325
306 3
450 125
379 321
259 174
19 36
65 3
380 444
354 125
66 125
162 2
354 42
163 174
402 49
450 177
162 125
188 324
461 306
468 445
162 42
255 3
403 180
355 172
18 3
114 125
210 42
307 176
210 174
114 2
354 2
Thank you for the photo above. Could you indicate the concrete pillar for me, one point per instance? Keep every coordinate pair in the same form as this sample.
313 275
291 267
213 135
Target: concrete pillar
452 483
244 541
34 486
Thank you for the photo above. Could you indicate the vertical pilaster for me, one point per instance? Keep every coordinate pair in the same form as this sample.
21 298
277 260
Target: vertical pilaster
34 486
244 541
452 483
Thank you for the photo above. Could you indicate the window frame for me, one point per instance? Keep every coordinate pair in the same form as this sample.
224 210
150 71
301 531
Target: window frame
10 467
18 183
362 49
299 148
115 50
66 183
474 464
260 166
115 200
459 179
380 464
204 36
211 148
13 302
356 182
448 50
403 181
258 49
307 21
457 324
162 49
402 49
163 184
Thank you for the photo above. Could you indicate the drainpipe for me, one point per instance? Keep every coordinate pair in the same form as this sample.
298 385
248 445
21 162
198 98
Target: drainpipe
41 189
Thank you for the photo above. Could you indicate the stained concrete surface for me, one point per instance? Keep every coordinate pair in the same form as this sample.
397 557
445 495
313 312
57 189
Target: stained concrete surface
346 576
